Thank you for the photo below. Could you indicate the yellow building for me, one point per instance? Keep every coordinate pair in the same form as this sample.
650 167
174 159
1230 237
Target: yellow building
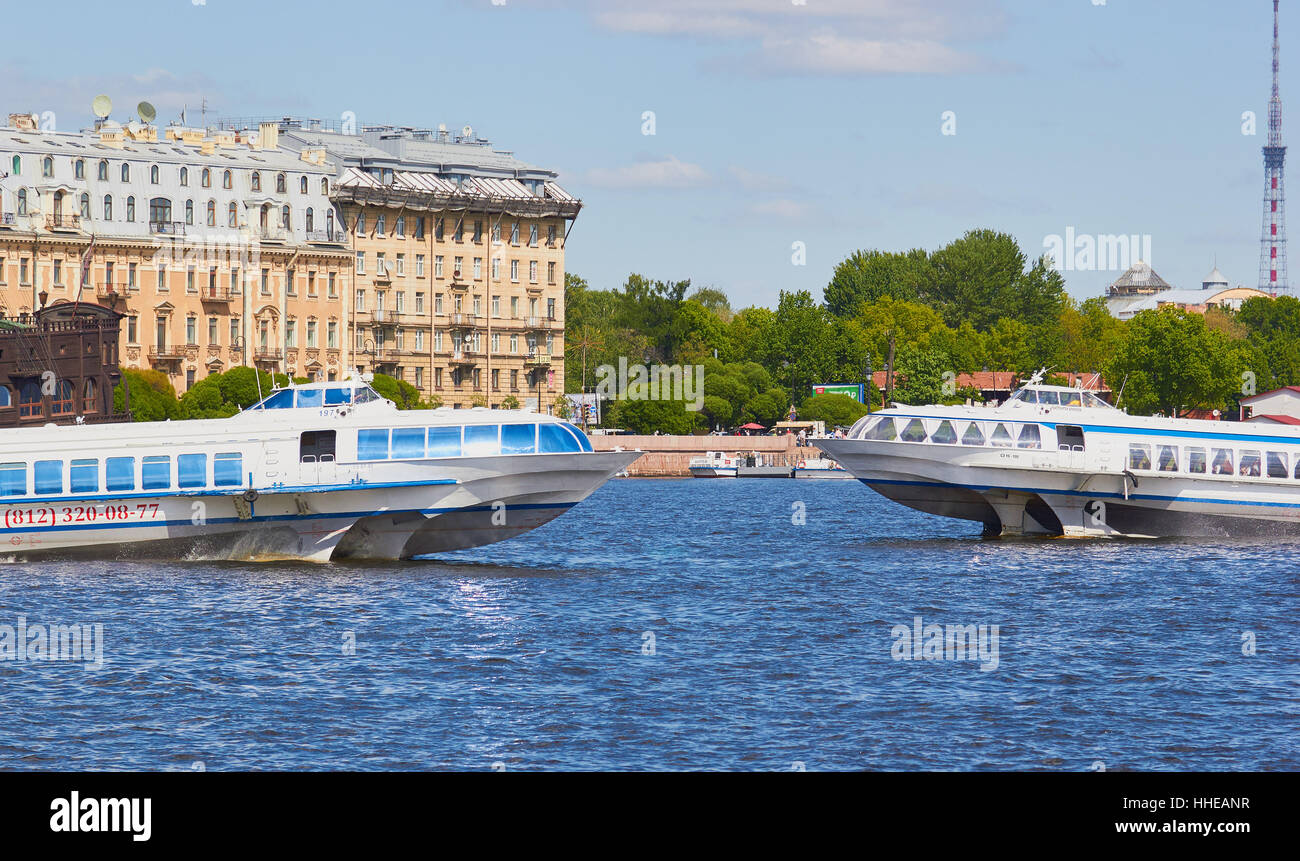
458 262
220 248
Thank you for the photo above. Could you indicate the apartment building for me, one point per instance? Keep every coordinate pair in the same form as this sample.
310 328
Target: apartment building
221 248
458 262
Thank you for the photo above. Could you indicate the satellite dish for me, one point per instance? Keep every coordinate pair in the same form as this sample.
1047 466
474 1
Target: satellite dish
146 112
102 106
466 132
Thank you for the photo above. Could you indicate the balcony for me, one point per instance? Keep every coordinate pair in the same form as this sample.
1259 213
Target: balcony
382 317
542 323
110 291
463 321
167 353
167 228
268 354
338 237
7 220
273 234
463 357
538 359
216 294
63 222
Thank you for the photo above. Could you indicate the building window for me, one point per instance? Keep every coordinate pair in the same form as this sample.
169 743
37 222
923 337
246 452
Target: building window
291 333
310 220
130 208
232 215
85 205
212 213
550 272
279 183
101 172
79 168
108 207
437 229
419 302
284 217
58 272
379 224
514 270
332 335
257 181
514 233
419 227
311 333
400 226
189 212
133 330
361 300
153 175
460 231
324 186
185 176
212 331
126 172
22 203
205 178
291 282
532 235
361 263
302 185
191 330
401 264
47 167
225 179
361 223
266 282
532 271
550 235
333 288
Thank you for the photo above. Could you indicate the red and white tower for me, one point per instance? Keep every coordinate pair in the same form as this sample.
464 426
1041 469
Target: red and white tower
1272 259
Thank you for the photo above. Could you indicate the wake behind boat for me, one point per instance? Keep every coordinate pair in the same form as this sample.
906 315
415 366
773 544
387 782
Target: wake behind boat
1061 461
319 471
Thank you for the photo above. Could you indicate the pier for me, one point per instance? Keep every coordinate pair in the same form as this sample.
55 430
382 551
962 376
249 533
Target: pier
670 456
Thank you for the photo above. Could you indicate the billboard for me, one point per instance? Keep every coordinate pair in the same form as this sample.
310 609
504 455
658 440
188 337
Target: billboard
853 390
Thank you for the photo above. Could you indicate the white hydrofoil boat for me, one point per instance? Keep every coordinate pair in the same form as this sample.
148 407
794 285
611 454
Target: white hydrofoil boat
1055 460
321 471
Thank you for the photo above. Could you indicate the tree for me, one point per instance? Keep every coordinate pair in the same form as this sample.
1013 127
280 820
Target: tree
152 397
920 377
647 417
510 402
868 276
1172 362
402 393
225 394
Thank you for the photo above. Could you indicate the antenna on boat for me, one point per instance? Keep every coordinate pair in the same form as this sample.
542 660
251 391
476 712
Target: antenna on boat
257 375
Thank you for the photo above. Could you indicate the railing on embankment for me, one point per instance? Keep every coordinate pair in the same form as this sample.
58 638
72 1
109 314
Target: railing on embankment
667 456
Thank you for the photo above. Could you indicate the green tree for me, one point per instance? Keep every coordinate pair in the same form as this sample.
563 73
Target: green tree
400 392
152 397
920 377
868 276
1171 361
835 410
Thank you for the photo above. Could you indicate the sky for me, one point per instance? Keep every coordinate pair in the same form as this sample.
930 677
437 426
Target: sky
786 133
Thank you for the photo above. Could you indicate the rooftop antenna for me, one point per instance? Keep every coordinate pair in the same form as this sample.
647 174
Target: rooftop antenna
147 112
102 106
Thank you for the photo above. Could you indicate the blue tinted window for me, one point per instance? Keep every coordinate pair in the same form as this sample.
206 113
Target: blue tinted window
482 440
120 473
372 445
334 397
518 439
554 438
192 470
281 400
408 442
49 476
227 469
444 442
83 476
13 479
156 472
311 397
583 442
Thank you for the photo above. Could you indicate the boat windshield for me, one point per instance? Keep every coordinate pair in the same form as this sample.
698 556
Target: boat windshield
330 396
1056 397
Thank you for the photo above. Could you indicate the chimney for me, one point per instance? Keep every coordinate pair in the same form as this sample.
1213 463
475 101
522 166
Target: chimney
23 122
268 136
313 156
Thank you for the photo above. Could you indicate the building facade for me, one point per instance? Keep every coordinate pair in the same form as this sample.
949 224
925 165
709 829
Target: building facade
219 249
458 262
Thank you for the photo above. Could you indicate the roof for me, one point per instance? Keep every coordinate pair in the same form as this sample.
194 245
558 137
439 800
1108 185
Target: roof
1006 381
1139 276
394 147
1282 420
1284 390
1215 277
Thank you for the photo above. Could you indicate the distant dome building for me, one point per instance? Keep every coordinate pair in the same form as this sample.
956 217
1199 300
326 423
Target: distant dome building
1141 289
1138 280
1215 281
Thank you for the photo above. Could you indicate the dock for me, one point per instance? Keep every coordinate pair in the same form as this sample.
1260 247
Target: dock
670 456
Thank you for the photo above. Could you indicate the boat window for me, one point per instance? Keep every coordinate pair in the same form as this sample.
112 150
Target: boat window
913 432
1029 437
1001 437
1048 398
49 476
192 470
119 473
1071 399
883 430
156 472
1249 465
334 397
973 435
518 439
553 438
1069 437
315 446
1276 464
1019 396
311 397
13 479
1091 400
444 442
944 434
1196 460
1139 456
83 476
1222 463
365 394
859 427
228 469
372 445
281 400
482 440
1167 458
408 443
583 442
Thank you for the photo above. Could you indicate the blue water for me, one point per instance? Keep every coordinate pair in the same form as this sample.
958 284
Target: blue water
771 648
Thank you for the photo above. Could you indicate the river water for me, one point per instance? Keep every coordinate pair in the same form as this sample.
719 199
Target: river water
677 624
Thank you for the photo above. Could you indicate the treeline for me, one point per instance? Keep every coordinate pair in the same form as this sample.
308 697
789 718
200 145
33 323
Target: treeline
978 303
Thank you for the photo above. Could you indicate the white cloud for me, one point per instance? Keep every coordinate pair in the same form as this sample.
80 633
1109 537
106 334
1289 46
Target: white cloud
669 172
